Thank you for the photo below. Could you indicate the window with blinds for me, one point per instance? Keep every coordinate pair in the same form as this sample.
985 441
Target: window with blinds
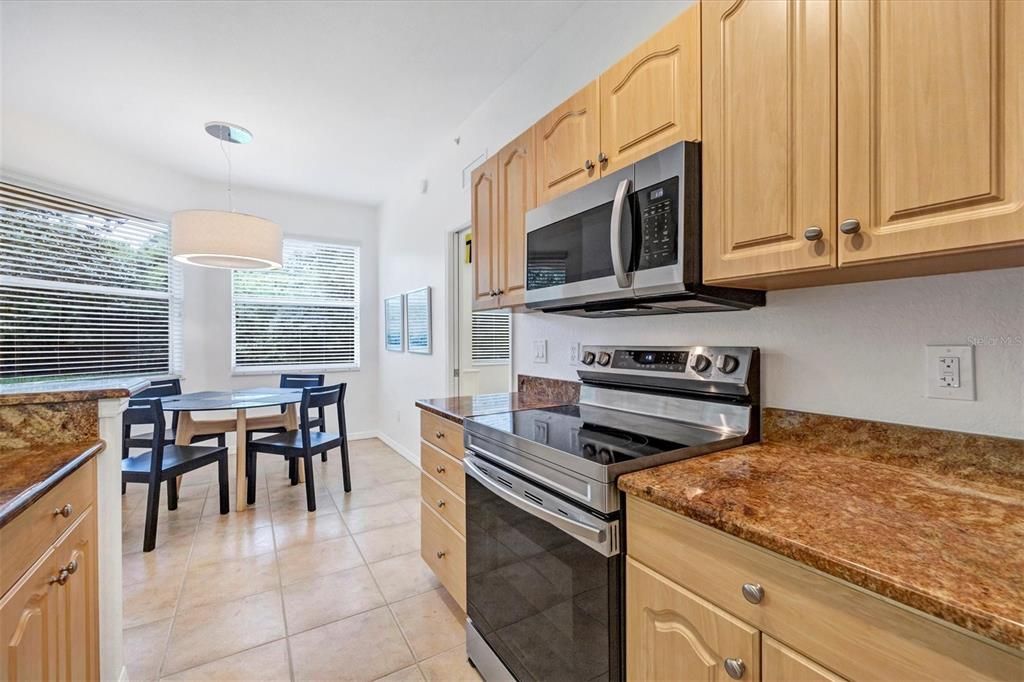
492 337
303 316
85 292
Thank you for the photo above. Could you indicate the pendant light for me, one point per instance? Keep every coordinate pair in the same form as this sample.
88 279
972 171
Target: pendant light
226 239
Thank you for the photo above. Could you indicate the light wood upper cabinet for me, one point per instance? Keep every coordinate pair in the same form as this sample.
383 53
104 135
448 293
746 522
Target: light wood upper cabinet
931 126
517 194
672 634
484 216
768 136
651 98
567 144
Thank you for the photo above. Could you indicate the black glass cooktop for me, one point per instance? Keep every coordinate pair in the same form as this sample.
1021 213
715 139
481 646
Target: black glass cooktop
598 435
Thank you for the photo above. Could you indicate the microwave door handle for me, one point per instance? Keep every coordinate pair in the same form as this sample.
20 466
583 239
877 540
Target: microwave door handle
621 204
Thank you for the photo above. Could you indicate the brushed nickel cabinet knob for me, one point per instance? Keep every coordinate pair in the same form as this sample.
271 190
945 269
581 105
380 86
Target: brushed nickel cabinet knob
735 667
61 578
813 233
588 164
602 158
850 226
439 469
440 504
439 434
441 555
753 593
71 567
64 511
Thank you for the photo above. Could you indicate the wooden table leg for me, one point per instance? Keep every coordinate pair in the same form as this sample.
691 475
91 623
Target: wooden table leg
184 433
240 503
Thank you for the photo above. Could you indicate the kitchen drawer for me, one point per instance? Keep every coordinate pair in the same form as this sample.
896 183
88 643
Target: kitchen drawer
30 533
444 550
442 433
855 633
447 504
443 468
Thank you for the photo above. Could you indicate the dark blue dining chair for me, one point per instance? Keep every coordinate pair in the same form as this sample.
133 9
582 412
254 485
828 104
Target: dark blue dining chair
304 442
161 388
163 462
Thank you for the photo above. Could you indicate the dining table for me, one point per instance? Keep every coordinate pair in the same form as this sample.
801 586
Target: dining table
238 401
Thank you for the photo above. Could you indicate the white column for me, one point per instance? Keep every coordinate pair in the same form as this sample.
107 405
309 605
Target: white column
108 514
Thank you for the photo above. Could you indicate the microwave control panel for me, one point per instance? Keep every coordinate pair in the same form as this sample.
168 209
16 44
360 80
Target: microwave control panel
658 206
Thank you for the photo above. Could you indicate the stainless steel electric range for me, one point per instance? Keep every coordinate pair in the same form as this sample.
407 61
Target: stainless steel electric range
543 514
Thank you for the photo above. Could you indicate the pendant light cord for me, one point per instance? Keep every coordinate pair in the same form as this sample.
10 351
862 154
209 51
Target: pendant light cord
227 157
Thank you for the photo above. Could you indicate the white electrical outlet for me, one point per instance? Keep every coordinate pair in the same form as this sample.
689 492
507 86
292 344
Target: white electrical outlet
575 351
540 351
949 371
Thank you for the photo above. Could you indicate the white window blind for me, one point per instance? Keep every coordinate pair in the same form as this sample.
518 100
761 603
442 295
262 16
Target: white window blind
305 315
85 292
492 336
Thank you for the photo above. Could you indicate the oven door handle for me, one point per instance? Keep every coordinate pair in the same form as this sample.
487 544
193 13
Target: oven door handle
597 538
621 205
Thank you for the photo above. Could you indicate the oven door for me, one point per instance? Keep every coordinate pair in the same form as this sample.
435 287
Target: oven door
543 580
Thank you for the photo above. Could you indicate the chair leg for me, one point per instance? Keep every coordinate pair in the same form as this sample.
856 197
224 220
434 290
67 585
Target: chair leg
293 470
222 482
310 489
124 487
250 483
323 456
172 494
346 475
152 511
222 442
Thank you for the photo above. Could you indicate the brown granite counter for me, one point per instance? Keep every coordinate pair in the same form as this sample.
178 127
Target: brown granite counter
70 391
534 392
27 474
931 519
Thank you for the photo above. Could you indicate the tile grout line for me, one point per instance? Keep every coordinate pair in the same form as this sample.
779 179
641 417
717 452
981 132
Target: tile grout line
280 586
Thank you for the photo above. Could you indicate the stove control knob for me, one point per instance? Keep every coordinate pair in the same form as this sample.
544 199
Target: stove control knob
700 363
588 357
604 359
727 364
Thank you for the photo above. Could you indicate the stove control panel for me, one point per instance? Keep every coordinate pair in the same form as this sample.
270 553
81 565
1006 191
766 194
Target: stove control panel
693 365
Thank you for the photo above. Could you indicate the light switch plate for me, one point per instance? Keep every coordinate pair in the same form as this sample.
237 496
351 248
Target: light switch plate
540 351
949 372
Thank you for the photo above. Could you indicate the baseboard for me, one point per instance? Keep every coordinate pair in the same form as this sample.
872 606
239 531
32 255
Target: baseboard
362 435
399 448
123 677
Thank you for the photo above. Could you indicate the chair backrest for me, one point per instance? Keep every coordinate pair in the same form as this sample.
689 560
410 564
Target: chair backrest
151 412
318 398
302 381
162 388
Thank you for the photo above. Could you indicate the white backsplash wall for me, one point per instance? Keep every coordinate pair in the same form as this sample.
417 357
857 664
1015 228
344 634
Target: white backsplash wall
855 350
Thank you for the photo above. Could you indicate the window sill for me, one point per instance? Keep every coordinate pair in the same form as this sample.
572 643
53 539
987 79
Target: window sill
302 369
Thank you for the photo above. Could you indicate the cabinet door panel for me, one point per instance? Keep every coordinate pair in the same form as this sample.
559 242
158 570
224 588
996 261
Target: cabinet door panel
566 139
484 183
517 194
931 119
79 602
29 624
779 663
769 136
672 634
651 99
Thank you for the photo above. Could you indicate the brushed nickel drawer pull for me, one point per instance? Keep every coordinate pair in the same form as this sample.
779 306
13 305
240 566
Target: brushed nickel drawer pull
64 511
753 593
442 554
439 469
440 504
439 434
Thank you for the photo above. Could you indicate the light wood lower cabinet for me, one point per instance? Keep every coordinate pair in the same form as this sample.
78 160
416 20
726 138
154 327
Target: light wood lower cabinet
685 583
443 503
672 634
49 617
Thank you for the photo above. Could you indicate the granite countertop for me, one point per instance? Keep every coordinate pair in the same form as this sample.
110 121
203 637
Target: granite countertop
461 407
931 519
70 391
28 473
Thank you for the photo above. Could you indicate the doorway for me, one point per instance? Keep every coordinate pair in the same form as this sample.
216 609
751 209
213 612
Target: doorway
481 358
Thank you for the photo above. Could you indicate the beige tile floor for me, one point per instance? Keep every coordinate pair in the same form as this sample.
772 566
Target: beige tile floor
278 593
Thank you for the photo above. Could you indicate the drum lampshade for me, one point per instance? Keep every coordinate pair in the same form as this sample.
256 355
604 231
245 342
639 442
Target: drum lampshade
222 239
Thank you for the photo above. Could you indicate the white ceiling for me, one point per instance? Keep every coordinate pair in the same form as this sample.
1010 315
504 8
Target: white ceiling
340 95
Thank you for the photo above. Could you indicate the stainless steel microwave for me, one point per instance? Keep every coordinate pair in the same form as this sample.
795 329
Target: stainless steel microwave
627 244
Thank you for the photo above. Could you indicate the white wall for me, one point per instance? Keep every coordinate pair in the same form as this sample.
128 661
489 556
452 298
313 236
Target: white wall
853 350
58 159
415 226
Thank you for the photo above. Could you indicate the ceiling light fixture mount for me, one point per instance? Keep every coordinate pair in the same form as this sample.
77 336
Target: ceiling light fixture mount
226 239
